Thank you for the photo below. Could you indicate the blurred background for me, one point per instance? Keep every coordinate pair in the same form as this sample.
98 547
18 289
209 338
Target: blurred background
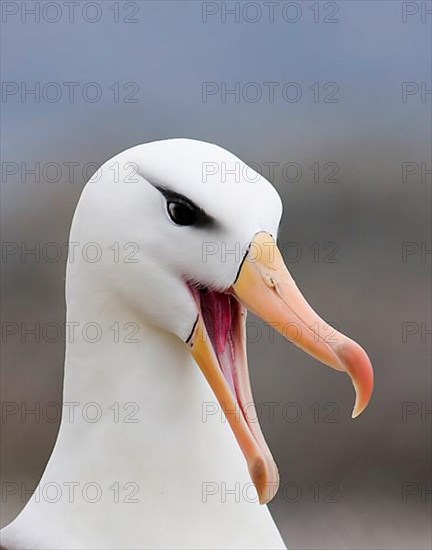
331 101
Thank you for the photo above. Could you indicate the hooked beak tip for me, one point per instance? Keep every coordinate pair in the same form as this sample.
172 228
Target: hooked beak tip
357 364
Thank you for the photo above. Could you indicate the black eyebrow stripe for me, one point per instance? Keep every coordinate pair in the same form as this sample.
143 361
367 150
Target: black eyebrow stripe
203 219
169 194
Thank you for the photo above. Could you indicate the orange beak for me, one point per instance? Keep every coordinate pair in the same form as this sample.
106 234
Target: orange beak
265 287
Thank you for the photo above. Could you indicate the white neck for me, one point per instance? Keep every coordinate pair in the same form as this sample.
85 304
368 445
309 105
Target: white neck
168 474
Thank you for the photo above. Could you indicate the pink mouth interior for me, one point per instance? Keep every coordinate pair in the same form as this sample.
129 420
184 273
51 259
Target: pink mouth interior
224 318
221 313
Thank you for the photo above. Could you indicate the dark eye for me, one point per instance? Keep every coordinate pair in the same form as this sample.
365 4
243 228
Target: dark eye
181 213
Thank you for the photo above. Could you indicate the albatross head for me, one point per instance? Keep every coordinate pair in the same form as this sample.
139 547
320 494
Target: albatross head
196 230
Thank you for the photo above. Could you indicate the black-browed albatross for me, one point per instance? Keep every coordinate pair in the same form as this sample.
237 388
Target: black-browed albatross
180 251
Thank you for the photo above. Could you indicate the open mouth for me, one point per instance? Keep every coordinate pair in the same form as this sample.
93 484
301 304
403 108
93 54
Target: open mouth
218 345
222 314
224 320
